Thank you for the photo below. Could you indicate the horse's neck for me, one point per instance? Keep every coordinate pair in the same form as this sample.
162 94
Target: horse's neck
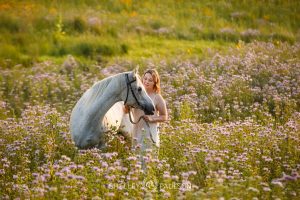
108 98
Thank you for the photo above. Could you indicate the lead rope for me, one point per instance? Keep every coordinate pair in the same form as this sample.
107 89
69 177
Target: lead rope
130 118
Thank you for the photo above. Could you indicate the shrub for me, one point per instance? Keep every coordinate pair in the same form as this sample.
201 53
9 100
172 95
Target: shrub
11 23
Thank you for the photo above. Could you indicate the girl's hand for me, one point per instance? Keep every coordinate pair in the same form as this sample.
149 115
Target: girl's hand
126 109
148 118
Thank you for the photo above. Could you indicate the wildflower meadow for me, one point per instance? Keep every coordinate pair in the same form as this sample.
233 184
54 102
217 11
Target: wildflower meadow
230 77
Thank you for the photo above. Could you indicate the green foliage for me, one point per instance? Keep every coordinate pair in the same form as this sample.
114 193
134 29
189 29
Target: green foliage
88 46
219 22
10 23
79 25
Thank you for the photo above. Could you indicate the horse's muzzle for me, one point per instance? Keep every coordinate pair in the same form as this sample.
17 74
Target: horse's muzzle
149 109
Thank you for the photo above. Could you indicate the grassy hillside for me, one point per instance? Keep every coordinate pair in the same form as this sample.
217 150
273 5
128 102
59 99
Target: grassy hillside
32 31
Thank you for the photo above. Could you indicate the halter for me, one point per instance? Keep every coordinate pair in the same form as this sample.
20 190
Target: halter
130 118
128 83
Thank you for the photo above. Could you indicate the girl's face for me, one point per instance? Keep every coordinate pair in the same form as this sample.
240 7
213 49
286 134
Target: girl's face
148 81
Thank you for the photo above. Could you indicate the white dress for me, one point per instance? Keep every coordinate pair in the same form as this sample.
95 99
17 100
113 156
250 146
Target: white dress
145 134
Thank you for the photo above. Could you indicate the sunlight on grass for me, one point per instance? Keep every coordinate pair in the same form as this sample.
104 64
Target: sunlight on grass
130 24
152 47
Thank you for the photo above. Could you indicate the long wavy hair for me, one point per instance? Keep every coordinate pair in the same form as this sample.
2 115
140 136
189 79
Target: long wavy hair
156 79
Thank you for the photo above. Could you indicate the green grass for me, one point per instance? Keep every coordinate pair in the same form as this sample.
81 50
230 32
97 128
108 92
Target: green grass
132 29
153 47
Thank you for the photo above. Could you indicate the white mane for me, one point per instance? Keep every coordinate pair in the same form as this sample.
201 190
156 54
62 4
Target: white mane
96 91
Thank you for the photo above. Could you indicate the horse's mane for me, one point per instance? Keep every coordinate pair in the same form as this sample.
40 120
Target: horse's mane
97 90
99 87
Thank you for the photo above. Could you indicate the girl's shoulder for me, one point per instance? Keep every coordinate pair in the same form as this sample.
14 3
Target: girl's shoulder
158 98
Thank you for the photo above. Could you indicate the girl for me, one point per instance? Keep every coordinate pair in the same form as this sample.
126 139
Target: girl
145 132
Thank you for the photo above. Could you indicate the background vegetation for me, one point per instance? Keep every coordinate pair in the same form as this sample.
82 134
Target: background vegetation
33 31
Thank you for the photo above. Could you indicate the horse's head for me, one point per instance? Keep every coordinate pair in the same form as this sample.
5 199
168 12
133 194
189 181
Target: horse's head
135 94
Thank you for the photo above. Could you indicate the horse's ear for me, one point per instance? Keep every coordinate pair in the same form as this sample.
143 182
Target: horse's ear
135 71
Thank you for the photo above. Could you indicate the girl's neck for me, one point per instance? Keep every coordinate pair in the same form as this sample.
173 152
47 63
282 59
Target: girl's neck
150 91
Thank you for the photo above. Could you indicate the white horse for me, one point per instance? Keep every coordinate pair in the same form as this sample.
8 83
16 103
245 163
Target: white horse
90 118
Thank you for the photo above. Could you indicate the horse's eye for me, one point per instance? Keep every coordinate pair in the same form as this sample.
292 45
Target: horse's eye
139 89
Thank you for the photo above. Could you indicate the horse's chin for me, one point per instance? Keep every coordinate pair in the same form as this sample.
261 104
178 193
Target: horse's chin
149 109
147 112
